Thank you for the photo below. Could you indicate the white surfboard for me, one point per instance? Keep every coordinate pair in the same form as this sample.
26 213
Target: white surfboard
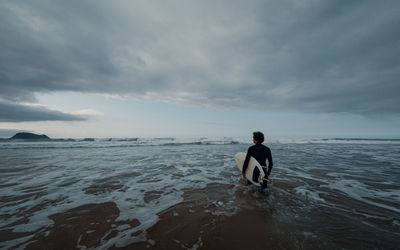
254 172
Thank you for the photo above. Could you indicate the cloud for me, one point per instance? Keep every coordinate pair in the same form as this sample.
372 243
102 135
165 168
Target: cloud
87 112
313 56
14 112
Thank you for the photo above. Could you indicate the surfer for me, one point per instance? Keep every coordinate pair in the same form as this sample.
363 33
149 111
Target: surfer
261 153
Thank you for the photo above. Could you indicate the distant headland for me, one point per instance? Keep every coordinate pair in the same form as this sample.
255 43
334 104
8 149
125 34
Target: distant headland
26 136
29 136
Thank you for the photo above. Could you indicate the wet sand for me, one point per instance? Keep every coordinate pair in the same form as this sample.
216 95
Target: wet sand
194 227
194 223
200 221
87 225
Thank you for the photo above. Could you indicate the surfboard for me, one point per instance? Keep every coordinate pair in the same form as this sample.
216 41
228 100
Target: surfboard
254 172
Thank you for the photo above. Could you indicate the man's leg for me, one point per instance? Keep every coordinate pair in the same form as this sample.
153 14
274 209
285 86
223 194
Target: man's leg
264 183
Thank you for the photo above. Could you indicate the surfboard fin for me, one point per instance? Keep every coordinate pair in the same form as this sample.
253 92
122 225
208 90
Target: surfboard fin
268 180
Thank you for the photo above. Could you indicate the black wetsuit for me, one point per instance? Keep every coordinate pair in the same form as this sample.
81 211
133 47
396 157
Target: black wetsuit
261 153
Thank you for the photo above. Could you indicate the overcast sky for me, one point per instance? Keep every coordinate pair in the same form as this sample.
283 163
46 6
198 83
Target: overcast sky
200 68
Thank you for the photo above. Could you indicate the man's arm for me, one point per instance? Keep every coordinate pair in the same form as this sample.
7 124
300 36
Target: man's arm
246 161
270 163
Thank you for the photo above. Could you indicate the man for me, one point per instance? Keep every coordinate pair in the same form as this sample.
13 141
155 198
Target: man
261 153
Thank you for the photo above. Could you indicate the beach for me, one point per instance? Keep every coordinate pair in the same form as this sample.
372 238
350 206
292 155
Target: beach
189 194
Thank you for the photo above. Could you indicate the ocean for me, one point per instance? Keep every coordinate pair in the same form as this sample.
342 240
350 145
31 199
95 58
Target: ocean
170 193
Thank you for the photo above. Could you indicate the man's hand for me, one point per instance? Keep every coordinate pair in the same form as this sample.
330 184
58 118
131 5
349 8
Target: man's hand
244 175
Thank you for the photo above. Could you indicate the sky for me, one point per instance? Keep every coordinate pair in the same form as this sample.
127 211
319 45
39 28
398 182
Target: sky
288 68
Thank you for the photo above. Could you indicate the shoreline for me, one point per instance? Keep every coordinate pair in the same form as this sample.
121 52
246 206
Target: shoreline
219 216
201 221
189 226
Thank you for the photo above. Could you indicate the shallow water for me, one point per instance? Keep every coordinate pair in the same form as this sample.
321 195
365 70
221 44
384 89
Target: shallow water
335 193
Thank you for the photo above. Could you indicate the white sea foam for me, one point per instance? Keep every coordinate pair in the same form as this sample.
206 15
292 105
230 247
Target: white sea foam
359 191
308 193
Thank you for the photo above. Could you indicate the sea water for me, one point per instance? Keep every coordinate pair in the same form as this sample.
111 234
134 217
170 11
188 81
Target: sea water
343 193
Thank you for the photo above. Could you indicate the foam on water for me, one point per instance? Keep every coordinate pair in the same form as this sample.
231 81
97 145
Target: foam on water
308 193
361 192
144 177
141 184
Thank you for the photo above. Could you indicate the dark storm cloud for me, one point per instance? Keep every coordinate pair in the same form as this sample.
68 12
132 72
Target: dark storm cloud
313 56
11 112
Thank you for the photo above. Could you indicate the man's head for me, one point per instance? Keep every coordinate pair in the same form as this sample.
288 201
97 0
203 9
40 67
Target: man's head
258 137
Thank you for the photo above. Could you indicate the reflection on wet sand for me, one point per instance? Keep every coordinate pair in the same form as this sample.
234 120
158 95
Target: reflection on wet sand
88 225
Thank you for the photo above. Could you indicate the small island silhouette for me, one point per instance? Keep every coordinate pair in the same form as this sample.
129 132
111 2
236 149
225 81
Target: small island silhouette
29 136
